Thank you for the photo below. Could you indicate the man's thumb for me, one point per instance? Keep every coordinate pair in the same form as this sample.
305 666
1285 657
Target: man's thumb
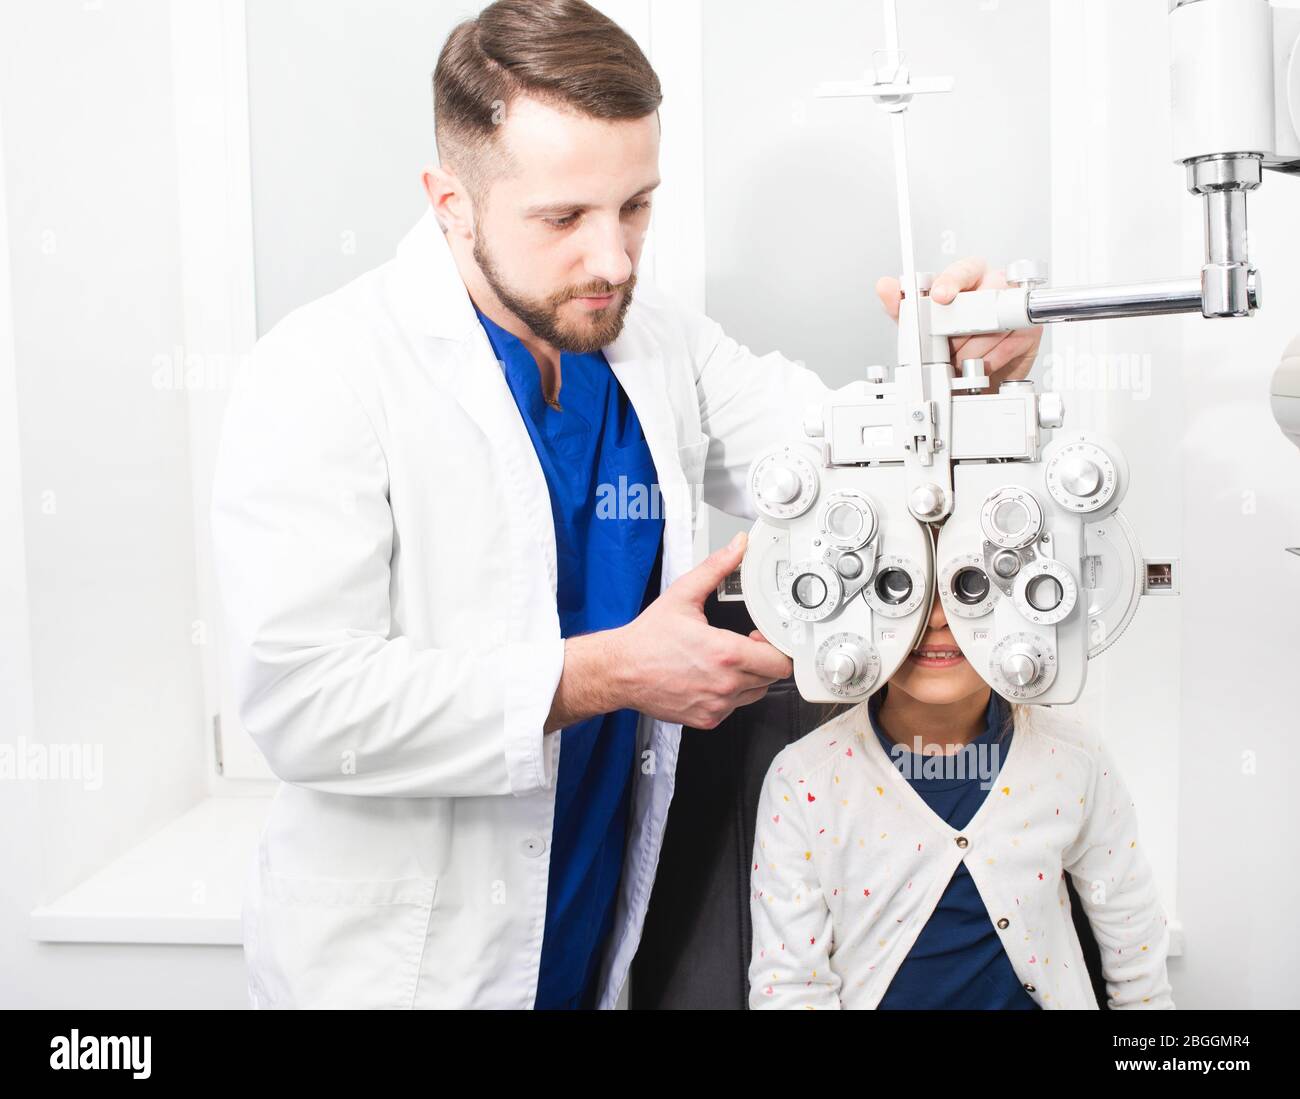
697 584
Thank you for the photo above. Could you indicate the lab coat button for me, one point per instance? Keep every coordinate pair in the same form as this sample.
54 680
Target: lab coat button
1003 923
962 842
533 846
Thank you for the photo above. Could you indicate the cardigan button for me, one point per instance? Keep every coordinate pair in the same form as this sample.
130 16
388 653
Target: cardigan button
1029 988
962 841
1003 923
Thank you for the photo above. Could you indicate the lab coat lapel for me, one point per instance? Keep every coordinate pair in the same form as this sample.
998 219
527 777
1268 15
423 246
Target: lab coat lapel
478 382
430 300
640 369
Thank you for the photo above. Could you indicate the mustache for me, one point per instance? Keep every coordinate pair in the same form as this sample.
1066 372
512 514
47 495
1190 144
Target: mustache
599 289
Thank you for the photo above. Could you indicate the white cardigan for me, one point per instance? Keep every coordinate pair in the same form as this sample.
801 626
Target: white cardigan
849 863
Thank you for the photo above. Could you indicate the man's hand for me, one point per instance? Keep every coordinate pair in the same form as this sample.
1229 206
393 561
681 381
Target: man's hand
1007 356
678 668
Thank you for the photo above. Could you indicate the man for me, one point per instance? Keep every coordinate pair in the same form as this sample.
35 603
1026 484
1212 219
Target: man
466 657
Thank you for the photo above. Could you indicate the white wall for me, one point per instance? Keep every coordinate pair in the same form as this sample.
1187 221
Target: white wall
1122 377
1201 680
801 214
89 166
341 120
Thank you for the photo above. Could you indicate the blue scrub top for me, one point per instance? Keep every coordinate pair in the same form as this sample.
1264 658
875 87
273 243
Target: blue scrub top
958 960
608 542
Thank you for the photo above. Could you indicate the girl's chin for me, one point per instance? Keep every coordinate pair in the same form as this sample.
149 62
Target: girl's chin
955 679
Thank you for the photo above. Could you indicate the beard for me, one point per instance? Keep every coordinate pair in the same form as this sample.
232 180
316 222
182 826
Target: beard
597 328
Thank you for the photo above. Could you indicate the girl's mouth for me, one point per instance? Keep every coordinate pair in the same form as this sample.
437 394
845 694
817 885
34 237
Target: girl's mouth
936 656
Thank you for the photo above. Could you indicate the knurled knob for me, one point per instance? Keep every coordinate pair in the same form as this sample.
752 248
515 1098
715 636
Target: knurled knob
843 664
927 500
1080 476
1020 667
1051 410
780 485
1026 272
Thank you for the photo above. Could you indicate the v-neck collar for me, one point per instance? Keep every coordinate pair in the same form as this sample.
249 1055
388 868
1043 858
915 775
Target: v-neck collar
1005 777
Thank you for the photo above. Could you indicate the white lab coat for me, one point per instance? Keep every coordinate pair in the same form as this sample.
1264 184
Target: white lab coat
386 557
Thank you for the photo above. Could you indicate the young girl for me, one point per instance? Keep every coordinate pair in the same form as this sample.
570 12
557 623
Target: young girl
911 853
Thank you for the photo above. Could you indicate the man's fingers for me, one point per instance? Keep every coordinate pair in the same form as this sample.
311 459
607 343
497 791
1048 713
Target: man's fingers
965 274
890 294
762 659
977 347
745 698
696 585
1008 356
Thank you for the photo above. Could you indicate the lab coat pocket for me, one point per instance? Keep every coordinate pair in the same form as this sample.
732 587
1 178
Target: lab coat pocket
692 457
340 943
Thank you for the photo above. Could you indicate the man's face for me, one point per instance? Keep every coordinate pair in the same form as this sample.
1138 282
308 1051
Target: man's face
559 239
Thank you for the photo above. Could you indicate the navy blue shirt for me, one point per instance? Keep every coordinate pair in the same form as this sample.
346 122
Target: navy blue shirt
608 541
958 960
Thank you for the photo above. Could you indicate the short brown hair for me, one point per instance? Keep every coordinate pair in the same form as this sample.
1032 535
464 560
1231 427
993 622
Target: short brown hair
563 52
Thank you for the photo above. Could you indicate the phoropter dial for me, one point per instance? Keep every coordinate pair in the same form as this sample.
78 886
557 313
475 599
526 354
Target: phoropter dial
897 587
964 587
1045 592
1081 477
848 520
847 664
811 590
1022 665
1011 517
783 484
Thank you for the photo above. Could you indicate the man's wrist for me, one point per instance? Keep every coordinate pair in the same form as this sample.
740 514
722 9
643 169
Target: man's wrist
594 679
618 669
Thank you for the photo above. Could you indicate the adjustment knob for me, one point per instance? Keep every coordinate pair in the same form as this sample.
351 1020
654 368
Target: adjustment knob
1019 667
1006 564
1051 410
927 501
780 485
1021 385
849 566
1026 272
1080 476
1083 476
844 663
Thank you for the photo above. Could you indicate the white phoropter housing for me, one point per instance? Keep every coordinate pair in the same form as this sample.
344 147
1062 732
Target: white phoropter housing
920 485
836 574
1035 567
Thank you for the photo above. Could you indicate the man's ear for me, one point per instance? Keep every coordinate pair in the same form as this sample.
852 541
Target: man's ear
450 201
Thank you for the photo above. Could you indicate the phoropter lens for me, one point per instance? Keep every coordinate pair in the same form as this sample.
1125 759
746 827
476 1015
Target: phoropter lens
893 586
971 586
